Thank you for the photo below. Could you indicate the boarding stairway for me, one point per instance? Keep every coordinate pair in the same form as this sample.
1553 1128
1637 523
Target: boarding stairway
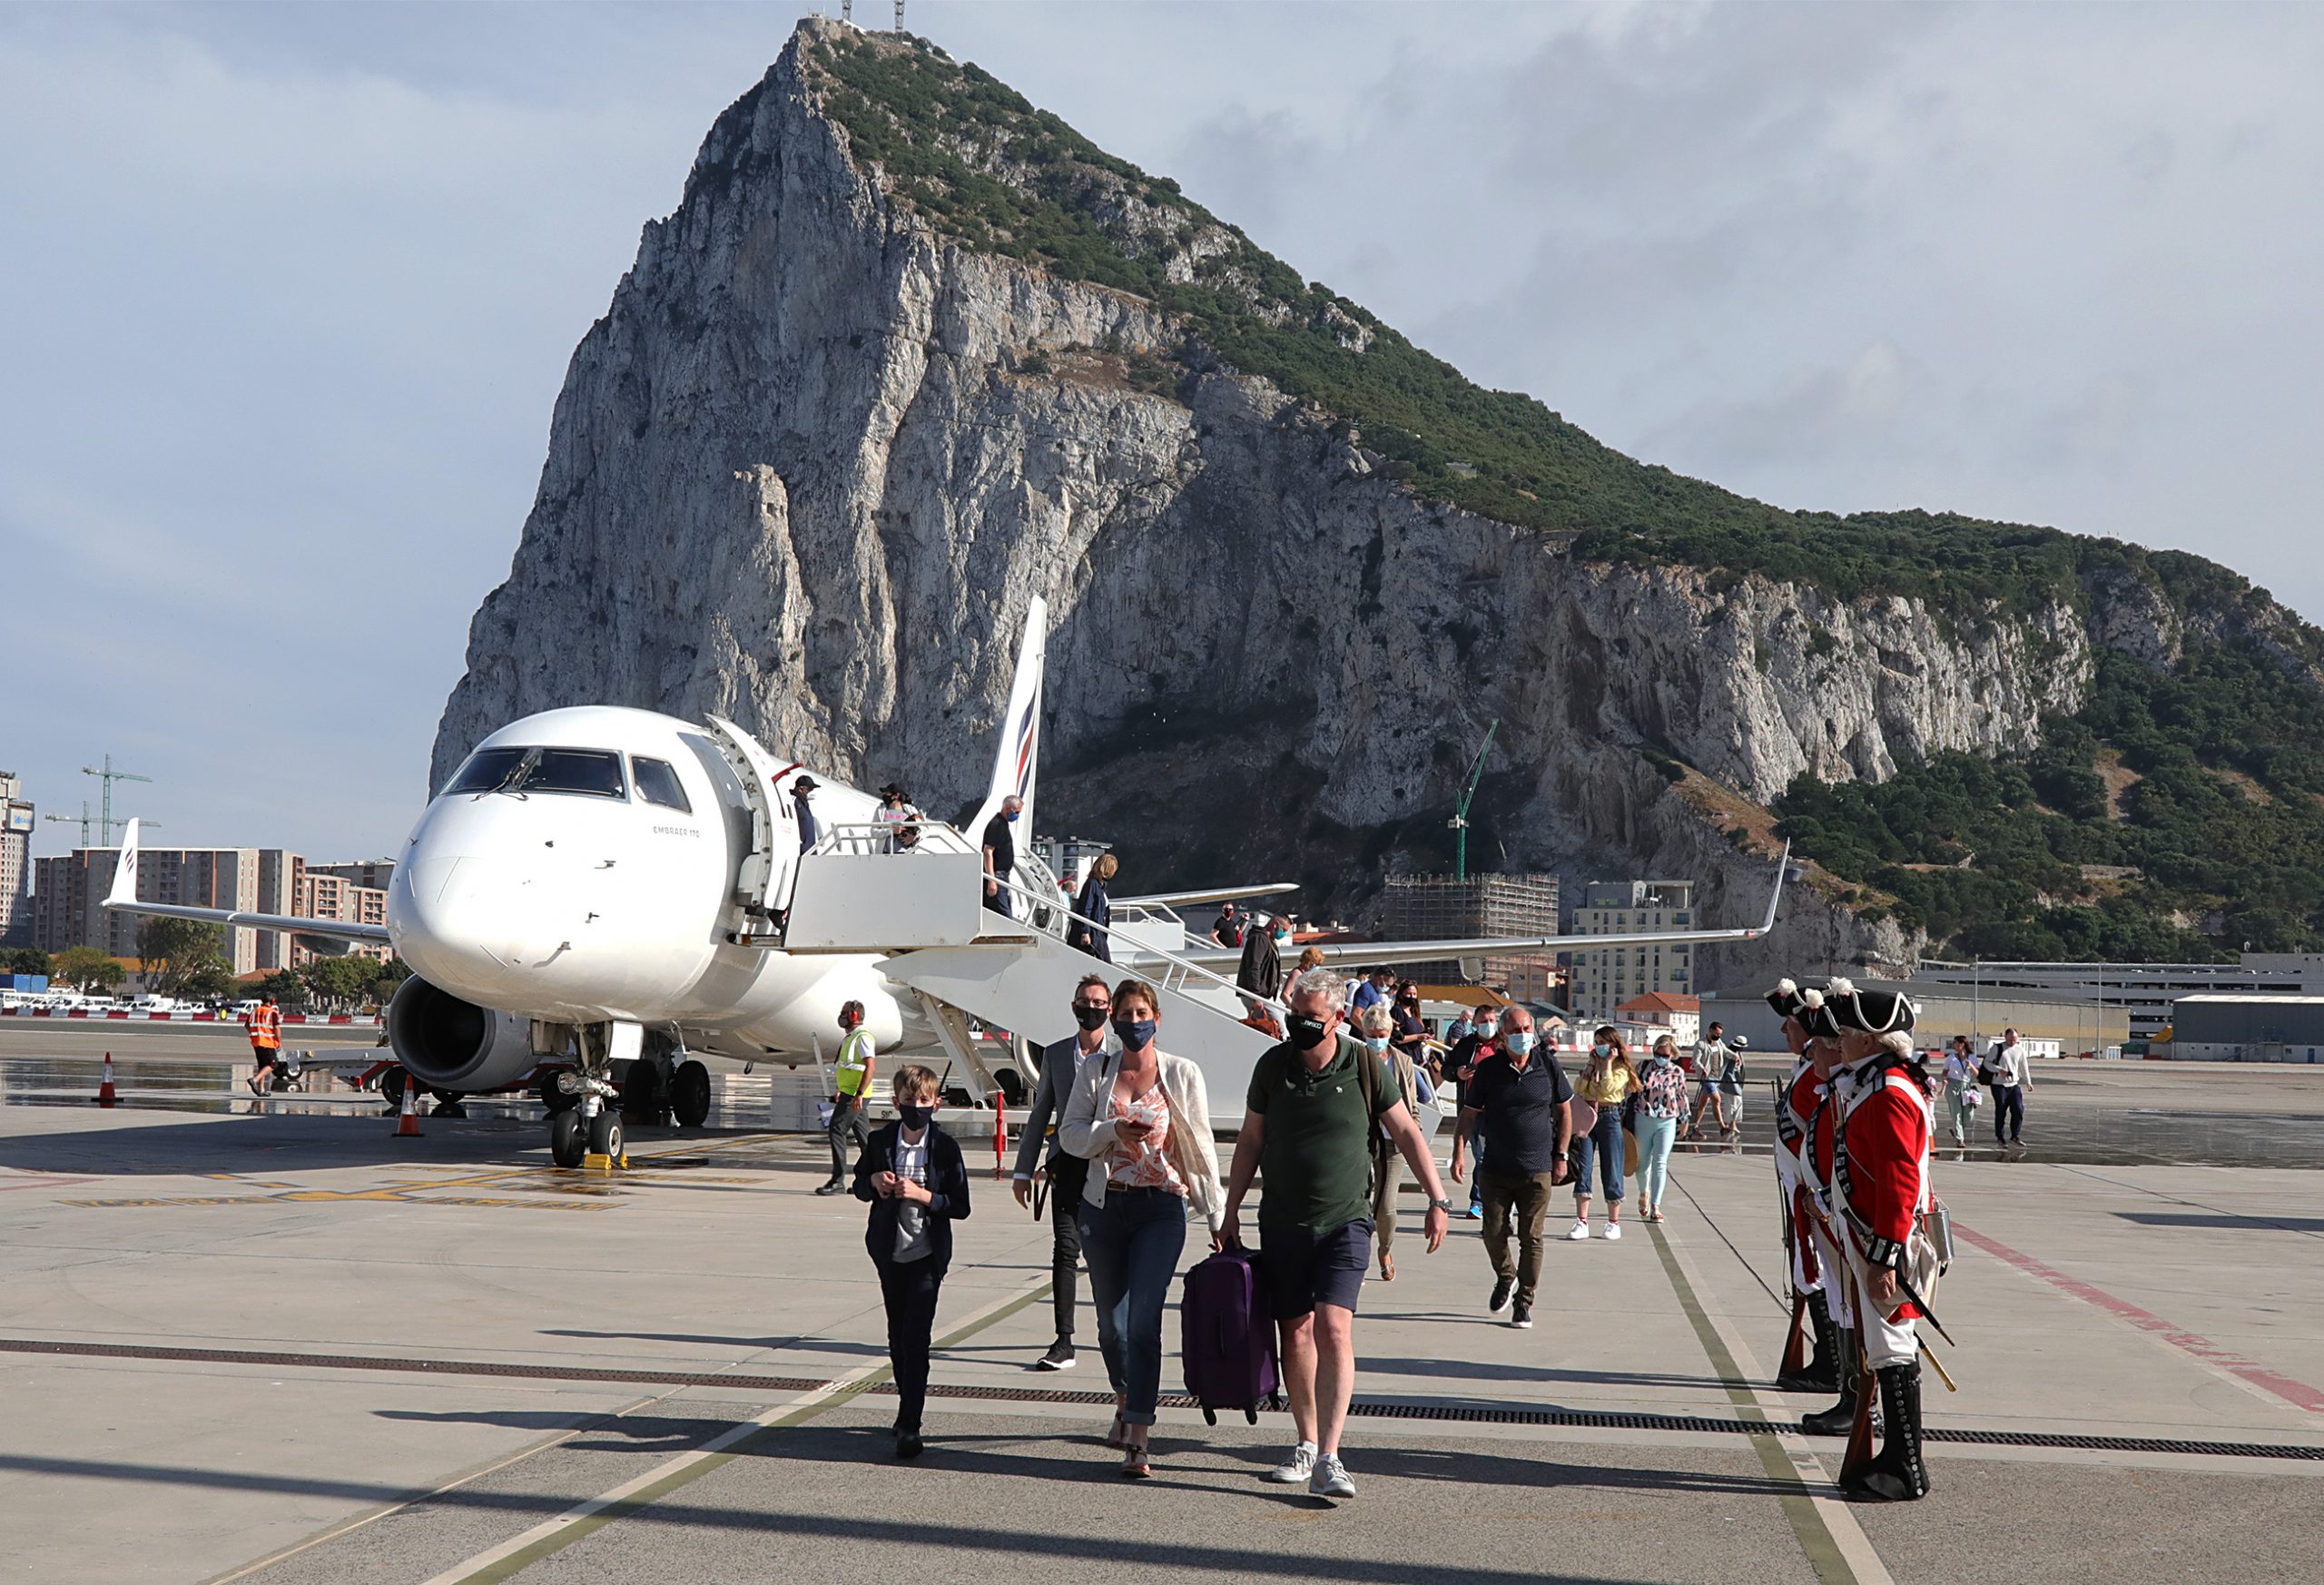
922 908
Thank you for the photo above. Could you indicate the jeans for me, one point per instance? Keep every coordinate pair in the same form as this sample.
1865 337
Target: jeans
1655 1138
1066 1174
1604 1141
1476 1168
847 1121
1962 1110
2009 1109
1519 1204
909 1289
1132 1243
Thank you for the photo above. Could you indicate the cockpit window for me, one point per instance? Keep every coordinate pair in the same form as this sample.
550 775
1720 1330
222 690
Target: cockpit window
658 782
590 772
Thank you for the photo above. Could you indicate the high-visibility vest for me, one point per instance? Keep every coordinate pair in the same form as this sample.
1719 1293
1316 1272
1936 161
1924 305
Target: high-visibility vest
854 1061
266 1026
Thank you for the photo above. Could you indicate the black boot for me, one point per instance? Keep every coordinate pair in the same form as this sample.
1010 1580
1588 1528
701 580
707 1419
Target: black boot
1840 1418
1821 1373
1897 1475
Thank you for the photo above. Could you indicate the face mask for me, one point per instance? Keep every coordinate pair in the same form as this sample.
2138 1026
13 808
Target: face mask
1377 1042
1137 1034
1519 1041
916 1118
1283 938
1306 1033
1013 814
1091 1017
1483 1031
1599 1050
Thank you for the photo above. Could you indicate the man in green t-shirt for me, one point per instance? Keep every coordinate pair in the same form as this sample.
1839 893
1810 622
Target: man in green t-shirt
1312 1115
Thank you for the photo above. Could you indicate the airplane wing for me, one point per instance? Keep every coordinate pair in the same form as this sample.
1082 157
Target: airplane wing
123 899
1388 952
1215 894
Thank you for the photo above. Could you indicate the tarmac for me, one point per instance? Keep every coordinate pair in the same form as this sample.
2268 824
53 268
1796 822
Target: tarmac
286 1346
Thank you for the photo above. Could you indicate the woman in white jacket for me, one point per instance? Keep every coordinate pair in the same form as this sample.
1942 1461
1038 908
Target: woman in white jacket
1142 1118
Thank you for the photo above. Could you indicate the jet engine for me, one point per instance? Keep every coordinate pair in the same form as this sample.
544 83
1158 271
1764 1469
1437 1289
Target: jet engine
447 1044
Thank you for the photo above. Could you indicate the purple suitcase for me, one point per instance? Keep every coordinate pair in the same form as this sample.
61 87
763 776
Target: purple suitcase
1228 1336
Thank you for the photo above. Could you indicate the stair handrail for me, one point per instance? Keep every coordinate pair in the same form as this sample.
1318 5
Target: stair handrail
877 838
1183 969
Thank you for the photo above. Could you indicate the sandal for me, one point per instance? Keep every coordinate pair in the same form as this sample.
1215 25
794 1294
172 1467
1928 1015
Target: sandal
1387 1268
1118 1436
1136 1464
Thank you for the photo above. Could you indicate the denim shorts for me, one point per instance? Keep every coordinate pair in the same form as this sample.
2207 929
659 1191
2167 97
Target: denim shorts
1303 1269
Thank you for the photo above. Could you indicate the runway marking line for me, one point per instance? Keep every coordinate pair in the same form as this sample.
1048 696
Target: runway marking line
2298 1393
584 1519
1835 1545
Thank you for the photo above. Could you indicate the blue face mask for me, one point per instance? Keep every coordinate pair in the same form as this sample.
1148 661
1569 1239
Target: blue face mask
916 1118
1137 1034
1600 1049
1377 1042
1519 1041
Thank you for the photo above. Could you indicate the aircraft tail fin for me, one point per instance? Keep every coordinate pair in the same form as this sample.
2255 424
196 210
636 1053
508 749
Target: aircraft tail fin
124 870
1017 762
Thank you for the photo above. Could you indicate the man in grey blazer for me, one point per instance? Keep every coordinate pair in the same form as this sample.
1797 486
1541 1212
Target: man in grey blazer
1093 1005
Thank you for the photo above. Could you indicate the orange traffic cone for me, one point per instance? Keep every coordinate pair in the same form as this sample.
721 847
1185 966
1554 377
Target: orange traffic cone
408 1121
106 1096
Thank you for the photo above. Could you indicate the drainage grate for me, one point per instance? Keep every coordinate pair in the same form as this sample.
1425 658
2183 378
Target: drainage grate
1372 1409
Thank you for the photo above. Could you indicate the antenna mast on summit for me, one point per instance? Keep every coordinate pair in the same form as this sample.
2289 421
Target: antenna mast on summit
847 12
900 16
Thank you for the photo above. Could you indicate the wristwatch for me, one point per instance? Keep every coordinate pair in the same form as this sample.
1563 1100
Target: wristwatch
1443 1205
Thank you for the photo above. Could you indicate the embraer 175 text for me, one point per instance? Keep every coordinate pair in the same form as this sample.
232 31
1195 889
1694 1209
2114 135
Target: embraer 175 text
601 898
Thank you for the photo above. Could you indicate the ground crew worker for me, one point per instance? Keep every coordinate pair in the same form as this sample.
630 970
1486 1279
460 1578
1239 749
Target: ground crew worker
1795 1116
852 1082
1881 1179
265 1024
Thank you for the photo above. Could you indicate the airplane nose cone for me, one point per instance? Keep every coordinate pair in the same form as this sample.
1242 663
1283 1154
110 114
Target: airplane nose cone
446 928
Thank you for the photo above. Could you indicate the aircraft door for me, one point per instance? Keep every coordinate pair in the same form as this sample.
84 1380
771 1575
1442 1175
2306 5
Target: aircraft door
762 880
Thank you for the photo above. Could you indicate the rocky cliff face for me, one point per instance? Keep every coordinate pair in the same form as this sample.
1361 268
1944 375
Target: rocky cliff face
815 460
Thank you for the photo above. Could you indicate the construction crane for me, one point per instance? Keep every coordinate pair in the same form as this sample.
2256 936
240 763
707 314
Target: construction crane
106 822
1460 821
84 820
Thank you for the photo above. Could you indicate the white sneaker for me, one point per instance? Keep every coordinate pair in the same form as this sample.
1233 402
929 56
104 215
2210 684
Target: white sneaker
1580 1231
1298 1467
1613 1231
1331 1479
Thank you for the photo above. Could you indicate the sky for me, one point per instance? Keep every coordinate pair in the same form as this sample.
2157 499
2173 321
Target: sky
287 293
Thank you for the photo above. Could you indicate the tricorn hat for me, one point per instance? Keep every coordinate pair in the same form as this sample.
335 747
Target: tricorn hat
1788 999
1874 1012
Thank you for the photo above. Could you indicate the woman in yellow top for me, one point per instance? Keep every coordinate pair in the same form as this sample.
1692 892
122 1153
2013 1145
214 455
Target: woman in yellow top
1606 1083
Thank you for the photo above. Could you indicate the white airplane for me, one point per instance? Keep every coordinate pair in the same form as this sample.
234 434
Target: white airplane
599 894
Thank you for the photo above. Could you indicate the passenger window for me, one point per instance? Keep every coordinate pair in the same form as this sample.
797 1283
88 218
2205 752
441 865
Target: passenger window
658 782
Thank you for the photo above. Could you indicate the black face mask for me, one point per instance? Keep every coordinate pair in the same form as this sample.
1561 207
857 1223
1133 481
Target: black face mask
1306 1033
916 1118
1091 1017
1136 1034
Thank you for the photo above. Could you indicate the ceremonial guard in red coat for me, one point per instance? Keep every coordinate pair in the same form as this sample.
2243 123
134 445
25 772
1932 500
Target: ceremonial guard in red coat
1795 1111
1818 1162
1882 1199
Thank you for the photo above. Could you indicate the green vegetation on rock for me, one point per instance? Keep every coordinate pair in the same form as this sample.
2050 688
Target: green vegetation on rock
2216 817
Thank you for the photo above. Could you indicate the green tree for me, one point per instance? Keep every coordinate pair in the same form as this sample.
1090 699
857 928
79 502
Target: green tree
88 969
285 986
388 977
207 980
25 961
337 982
175 950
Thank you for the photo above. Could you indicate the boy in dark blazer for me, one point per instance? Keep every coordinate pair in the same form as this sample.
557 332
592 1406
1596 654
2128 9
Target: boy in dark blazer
912 1173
